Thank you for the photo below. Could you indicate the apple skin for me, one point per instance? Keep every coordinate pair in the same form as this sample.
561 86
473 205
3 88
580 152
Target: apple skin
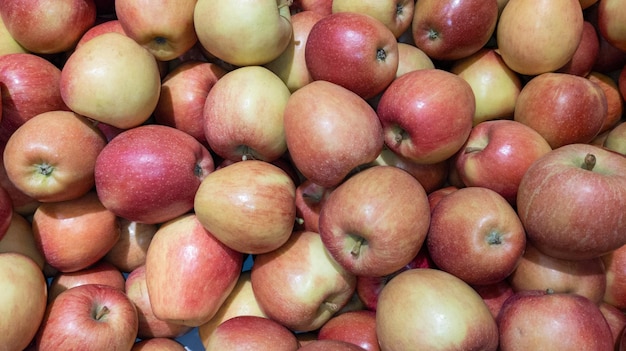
48 28
451 30
310 199
538 271
8 44
615 101
394 14
322 7
100 272
158 344
494 295
614 139
586 55
6 211
125 173
530 320
113 25
129 251
321 120
183 251
621 81
375 222
614 264
410 58
611 18
305 296
422 126
616 319
89 317
445 313
437 195
531 42
19 238
496 155
335 345
353 50
252 333
570 224
23 300
563 108
357 327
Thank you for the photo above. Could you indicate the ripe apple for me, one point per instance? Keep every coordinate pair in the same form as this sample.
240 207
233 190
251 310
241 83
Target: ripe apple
100 272
158 344
89 317
243 115
74 234
615 270
252 333
494 295
48 27
411 58
305 295
538 271
353 50
129 251
330 131
539 36
112 79
531 319
450 30
356 327
572 202
394 14
322 7
496 155
422 126
563 108
429 309
112 25
241 33
23 300
437 195
586 54
51 157
309 200
335 345
611 18
19 238
184 252
139 160
616 319
615 101
376 221
8 44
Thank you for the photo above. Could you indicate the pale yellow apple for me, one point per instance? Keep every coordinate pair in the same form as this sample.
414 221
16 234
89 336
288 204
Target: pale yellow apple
8 44
411 58
19 238
394 14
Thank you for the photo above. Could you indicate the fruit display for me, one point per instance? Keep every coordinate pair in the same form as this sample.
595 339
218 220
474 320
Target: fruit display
373 175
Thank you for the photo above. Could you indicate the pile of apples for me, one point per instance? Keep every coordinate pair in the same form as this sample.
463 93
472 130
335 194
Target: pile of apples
313 174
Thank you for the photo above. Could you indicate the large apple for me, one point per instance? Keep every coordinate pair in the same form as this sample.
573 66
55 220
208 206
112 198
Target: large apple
151 173
611 18
429 309
376 221
19 238
450 30
112 79
394 14
353 50
242 33
129 251
182 259
330 131
422 126
572 202
356 327
252 333
48 27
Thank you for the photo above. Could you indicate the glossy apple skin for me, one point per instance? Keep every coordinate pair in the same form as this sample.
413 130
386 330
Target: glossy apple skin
253 332
8 44
451 30
422 126
572 113
356 327
538 271
586 54
100 272
574 224
539 316
354 51
125 173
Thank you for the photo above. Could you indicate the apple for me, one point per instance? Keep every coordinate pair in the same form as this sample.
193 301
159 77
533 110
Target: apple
252 333
183 251
51 157
436 196
243 115
19 238
112 25
611 17
149 326
335 345
571 202
8 44
572 113
165 28
330 131
111 79
394 14
322 7
89 317
6 211
615 271
305 295
309 200
616 319
494 295
376 221
621 81
48 28
74 234
23 299
586 54
150 174
411 58
30 86
539 36
615 101
183 93
429 309
356 327
610 58
495 86
100 272
450 30
158 344
422 126
241 33
533 319
496 155
538 271
248 205
129 251
353 50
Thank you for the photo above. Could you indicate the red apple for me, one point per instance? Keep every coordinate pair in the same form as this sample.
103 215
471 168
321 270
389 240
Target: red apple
19 238
621 81
614 99
335 345
616 319
356 327
586 54
129 251
8 44
252 333
322 7
6 211
437 195
494 295
309 200
422 126
615 270
136 161
89 317
100 272
353 50
158 344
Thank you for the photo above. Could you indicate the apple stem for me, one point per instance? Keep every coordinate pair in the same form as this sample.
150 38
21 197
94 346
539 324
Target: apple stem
331 306
589 162
549 291
299 221
356 249
101 312
284 3
470 149
45 169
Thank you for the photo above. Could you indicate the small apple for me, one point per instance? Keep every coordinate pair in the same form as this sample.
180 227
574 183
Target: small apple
356 327
252 333
158 344
614 99
494 295
129 251
616 319
335 345
112 25
100 272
